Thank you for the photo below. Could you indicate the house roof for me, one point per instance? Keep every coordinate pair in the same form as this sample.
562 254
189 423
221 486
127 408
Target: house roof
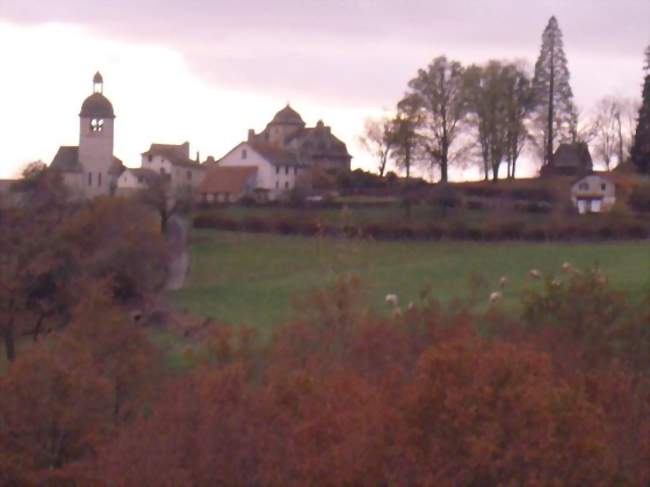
178 155
287 116
573 155
97 106
227 179
275 155
146 174
319 142
67 160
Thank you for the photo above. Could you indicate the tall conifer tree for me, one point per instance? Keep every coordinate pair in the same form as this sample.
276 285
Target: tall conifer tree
641 149
556 113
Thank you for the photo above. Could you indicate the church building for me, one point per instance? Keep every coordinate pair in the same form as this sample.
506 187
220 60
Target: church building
90 169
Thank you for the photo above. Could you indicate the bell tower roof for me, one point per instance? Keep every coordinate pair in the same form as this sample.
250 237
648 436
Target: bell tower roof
97 105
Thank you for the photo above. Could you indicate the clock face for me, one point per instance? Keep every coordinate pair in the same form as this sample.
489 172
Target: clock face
96 125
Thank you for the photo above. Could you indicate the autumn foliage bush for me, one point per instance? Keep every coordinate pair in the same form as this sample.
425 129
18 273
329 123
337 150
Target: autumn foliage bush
342 395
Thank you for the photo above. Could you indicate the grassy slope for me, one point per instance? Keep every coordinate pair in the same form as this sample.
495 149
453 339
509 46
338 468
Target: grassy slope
251 279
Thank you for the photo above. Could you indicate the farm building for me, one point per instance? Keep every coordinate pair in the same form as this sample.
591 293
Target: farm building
285 151
593 194
228 184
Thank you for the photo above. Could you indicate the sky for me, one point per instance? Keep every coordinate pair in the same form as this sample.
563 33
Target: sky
206 71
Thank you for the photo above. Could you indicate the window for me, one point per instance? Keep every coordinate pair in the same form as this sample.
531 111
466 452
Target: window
150 158
583 187
189 175
99 179
286 185
295 170
90 179
243 154
286 169
603 186
140 179
277 169
277 184
96 125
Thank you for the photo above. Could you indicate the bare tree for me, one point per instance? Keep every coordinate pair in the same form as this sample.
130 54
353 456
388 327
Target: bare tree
438 92
377 139
612 129
166 199
405 141
500 99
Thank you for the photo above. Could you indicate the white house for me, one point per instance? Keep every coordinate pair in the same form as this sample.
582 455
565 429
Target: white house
285 152
173 161
135 179
277 171
593 194
90 169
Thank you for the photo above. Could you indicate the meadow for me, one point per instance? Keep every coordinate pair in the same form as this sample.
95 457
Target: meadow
252 279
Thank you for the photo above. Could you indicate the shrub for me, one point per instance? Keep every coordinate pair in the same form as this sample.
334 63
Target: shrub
639 198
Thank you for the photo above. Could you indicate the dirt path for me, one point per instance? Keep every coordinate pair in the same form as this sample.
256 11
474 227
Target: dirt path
179 263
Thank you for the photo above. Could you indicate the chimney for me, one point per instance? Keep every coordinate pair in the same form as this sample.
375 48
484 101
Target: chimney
186 149
198 157
251 134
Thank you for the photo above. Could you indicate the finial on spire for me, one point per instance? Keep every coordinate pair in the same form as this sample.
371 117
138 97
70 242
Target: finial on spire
98 83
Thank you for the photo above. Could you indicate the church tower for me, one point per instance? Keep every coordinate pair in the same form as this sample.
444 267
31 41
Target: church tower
96 141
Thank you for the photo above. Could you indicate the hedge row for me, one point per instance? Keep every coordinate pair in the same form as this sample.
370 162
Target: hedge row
459 230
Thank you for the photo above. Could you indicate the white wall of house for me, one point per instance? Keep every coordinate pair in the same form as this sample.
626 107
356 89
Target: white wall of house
180 175
129 180
276 179
593 194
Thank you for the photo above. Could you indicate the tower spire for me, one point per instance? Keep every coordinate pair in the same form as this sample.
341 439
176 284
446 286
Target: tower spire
98 83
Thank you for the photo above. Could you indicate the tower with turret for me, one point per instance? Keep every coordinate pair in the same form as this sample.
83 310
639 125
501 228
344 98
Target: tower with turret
91 169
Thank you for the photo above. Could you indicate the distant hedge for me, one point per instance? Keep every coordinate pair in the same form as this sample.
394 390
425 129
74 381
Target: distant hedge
596 227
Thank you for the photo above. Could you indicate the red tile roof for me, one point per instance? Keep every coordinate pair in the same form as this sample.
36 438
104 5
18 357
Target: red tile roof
228 179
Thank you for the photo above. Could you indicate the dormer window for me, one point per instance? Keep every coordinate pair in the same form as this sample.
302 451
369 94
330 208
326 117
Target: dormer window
96 125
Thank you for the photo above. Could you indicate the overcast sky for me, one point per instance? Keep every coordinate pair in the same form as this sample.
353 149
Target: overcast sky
207 70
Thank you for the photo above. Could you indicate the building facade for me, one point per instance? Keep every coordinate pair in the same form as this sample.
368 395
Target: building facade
286 152
90 169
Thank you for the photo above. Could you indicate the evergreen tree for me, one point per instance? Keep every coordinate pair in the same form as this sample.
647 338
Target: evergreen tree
641 149
556 113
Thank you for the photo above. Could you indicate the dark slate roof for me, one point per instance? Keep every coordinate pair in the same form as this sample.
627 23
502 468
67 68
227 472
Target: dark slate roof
574 155
319 143
275 155
287 116
146 174
227 179
66 159
97 106
118 167
176 154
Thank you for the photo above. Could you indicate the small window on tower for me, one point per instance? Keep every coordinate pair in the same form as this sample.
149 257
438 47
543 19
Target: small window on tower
244 154
150 158
96 125
99 179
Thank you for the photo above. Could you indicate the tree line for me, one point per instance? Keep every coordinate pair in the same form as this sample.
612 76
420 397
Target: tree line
489 114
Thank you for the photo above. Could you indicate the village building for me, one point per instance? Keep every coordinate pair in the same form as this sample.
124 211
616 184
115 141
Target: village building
228 184
284 154
593 194
174 162
570 160
90 169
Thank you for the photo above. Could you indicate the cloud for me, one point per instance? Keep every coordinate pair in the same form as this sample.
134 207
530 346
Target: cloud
355 51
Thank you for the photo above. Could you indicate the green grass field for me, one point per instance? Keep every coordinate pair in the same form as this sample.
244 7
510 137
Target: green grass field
251 279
